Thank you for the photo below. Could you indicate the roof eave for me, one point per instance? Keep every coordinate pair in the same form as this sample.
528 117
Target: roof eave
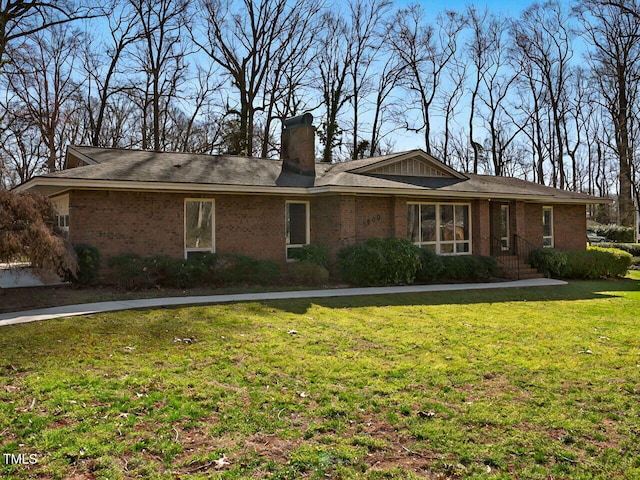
56 186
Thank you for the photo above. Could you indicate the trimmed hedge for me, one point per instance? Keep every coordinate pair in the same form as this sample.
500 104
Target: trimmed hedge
590 264
233 268
134 272
598 262
468 268
307 273
312 253
431 266
548 261
380 261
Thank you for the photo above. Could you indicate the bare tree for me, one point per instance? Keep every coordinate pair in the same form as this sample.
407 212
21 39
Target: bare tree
543 39
252 43
161 56
365 35
21 19
333 62
614 35
425 51
102 70
42 76
388 79
478 48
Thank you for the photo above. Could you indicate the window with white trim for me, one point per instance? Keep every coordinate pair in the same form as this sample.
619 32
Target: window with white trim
547 227
504 227
445 228
198 226
297 226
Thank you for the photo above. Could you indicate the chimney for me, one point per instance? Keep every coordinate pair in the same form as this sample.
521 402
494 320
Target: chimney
298 145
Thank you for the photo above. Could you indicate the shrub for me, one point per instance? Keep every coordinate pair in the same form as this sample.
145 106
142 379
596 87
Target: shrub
431 266
312 253
233 268
307 273
129 271
88 259
134 272
620 260
468 268
632 248
548 261
378 261
26 233
615 233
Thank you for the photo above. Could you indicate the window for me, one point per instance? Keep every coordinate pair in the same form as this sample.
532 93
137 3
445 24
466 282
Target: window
504 227
62 221
443 227
547 227
198 227
297 226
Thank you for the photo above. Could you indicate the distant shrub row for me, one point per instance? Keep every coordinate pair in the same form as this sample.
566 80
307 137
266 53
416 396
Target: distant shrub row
590 264
632 248
614 233
393 261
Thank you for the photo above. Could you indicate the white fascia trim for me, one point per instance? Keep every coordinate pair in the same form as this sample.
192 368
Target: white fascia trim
453 195
67 184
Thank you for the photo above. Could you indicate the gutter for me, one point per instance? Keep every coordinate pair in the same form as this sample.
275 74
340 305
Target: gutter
57 186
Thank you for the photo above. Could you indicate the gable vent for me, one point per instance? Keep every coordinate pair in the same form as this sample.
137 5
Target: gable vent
410 167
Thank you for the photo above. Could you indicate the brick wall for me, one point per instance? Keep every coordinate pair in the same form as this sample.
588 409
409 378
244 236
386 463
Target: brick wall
532 223
333 222
481 227
570 227
375 218
147 223
128 222
252 225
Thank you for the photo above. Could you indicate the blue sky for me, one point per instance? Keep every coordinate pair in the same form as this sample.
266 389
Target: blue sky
507 7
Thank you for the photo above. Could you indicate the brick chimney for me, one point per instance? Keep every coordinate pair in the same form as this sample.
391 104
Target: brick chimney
298 145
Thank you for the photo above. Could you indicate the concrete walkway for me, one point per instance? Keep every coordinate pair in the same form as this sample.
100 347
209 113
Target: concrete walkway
90 308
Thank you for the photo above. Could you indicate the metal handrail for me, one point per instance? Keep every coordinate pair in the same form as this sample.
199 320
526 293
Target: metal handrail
523 247
512 257
505 257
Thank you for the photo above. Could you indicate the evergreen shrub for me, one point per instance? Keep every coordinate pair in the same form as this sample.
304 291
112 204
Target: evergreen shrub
431 266
380 261
548 261
307 273
88 258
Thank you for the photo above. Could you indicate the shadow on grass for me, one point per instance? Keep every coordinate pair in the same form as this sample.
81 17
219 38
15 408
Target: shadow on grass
575 290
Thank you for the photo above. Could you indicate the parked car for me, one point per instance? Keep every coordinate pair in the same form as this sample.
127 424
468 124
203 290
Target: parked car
593 237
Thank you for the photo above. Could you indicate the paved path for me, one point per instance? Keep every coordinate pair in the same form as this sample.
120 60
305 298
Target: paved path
90 308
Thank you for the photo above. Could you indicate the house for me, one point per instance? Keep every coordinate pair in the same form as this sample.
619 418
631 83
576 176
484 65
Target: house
179 204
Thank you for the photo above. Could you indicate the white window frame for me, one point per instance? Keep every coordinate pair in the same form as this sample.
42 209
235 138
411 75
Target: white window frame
291 246
505 241
548 240
211 249
437 244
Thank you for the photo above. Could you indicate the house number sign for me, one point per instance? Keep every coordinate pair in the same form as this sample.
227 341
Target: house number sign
371 220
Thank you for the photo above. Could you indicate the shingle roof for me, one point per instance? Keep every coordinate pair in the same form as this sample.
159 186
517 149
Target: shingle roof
194 171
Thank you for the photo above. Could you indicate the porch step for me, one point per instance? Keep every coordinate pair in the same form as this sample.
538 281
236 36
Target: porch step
524 269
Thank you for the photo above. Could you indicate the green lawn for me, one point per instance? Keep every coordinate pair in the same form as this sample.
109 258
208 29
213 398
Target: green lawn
539 383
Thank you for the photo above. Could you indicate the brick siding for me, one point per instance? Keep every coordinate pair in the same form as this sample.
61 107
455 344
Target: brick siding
149 223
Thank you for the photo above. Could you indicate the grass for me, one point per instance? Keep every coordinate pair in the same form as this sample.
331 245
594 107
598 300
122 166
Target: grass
540 383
